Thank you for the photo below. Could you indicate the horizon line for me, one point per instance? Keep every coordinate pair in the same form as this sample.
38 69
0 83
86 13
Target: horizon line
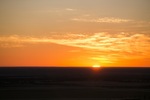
73 66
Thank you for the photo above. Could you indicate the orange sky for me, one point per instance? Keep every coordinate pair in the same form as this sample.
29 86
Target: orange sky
75 33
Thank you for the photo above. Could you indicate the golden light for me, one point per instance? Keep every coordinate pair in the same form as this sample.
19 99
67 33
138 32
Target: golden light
96 66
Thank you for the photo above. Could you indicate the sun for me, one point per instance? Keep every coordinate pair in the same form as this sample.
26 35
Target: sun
96 66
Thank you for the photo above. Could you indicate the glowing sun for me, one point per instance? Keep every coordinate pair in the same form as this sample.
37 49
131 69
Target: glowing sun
96 66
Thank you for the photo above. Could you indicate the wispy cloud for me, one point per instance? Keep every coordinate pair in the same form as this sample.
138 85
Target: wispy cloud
104 46
102 20
122 43
20 41
57 10
70 9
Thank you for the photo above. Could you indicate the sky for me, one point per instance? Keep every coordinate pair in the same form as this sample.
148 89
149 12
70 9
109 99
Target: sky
75 33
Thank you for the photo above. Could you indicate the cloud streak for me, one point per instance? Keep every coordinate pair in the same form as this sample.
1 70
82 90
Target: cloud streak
70 9
122 43
101 46
102 20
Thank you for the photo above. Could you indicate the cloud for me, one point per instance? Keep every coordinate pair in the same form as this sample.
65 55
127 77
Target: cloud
56 10
20 41
106 42
69 9
101 46
102 20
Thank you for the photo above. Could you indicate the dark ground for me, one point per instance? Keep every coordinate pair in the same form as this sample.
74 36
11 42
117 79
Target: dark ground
74 84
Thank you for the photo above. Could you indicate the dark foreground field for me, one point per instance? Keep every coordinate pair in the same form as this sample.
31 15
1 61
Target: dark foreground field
74 84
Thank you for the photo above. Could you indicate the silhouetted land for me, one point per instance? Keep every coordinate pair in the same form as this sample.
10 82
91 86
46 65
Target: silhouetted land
74 83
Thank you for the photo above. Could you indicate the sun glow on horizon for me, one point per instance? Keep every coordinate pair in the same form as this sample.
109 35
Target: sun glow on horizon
96 66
